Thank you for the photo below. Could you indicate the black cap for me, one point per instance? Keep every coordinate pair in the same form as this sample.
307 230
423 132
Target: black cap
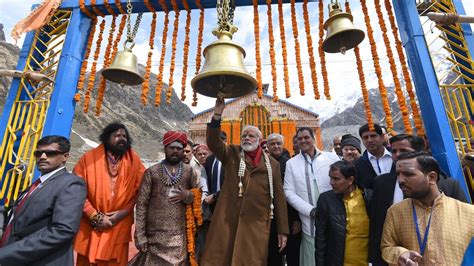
349 140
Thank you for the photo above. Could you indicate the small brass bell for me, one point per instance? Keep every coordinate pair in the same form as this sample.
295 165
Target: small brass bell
124 68
341 33
224 70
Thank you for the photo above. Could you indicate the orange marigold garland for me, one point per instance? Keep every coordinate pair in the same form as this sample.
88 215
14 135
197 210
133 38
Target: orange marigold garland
107 61
123 20
84 10
90 85
309 42
322 55
258 59
297 47
363 85
393 68
109 8
118 4
284 52
378 70
95 9
199 45
151 43
193 217
159 82
80 82
406 75
174 40
272 50
186 50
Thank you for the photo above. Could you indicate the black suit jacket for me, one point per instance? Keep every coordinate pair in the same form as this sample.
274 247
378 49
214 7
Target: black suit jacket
384 187
208 167
44 228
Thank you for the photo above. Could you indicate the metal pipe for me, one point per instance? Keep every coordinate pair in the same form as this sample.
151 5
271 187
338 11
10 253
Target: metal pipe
449 18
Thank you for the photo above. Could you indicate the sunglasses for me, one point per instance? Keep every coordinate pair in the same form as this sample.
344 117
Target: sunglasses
49 153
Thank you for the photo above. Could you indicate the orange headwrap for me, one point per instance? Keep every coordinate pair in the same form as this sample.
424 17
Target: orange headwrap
172 136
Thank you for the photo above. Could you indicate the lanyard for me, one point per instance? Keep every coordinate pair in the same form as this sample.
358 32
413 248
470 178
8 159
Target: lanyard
422 243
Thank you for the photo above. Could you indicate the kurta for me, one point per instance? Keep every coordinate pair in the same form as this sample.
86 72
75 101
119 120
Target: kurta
356 250
159 223
449 235
240 227
111 244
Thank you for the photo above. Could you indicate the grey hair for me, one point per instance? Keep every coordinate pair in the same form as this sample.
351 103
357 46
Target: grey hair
275 136
253 128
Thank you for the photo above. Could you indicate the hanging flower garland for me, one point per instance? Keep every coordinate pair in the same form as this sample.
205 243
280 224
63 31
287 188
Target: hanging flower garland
199 45
393 68
109 8
123 20
80 82
107 61
281 22
159 82
193 216
272 50
174 40
186 50
297 47
118 4
322 55
151 43
406 75
95 9
258 58
90 85
309 41
378 70
84 10
363 85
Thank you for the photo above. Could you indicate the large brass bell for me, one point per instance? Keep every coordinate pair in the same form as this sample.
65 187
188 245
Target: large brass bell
124 68
341 33
224 70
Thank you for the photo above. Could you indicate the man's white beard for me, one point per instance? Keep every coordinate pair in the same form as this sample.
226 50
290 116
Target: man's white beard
249 147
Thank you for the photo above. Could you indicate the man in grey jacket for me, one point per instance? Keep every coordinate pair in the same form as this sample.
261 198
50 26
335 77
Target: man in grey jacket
41 224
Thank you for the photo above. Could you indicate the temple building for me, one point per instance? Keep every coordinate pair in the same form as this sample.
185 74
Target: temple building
270 117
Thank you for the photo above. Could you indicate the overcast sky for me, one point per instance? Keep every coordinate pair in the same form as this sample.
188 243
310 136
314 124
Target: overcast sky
343 77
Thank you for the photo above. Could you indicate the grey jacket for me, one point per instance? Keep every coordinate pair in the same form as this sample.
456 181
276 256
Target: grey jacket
44 228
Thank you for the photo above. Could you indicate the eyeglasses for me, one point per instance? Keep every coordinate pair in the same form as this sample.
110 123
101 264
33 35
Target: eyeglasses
49 153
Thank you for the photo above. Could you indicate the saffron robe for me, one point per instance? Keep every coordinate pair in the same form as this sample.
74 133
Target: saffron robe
108 245
240 226
159 223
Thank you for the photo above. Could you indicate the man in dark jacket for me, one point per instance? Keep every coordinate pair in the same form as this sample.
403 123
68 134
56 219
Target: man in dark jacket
387 192
43 221
342 221
292 250
376 160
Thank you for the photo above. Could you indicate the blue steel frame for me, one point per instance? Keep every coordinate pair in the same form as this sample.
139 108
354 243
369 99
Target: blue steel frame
427 89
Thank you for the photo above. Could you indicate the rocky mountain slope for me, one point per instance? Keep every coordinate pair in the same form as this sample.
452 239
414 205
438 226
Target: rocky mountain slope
349 120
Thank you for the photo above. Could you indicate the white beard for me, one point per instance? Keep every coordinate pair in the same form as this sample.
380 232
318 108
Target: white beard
249 147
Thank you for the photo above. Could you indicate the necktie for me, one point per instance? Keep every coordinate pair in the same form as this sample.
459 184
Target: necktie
9 227
215 176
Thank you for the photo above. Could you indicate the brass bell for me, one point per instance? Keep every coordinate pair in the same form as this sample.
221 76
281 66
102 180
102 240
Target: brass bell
224 70
341 33
124 68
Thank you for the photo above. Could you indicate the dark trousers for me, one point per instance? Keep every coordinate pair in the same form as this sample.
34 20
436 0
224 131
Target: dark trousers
292 250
